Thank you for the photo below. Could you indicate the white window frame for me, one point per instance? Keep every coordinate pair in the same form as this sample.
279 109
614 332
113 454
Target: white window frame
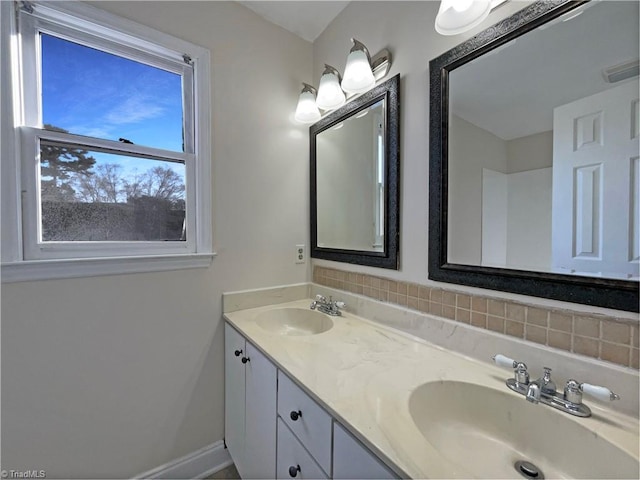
24 257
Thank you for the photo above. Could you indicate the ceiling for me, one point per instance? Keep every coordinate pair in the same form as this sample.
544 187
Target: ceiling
512 91
305 18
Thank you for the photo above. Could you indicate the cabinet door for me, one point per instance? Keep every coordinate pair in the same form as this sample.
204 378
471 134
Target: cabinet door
234 394
260 416
351 459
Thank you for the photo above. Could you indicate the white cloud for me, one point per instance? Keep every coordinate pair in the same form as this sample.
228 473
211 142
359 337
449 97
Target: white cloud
133 110
98 132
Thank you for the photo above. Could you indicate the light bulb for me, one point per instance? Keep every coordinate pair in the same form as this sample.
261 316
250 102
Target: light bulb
307 110
462 5
358 77
458 16
330 95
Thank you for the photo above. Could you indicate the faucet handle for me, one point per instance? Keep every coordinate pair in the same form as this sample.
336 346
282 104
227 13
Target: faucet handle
320 298
600 393
341 304
505 362
520 373
573 392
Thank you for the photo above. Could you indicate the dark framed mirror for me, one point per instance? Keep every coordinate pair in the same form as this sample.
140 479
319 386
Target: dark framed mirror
534 179
355 174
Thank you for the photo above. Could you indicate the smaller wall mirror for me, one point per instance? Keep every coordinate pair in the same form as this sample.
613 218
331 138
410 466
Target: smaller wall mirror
354 180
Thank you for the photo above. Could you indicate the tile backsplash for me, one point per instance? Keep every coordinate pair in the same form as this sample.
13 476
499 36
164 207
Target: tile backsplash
607 338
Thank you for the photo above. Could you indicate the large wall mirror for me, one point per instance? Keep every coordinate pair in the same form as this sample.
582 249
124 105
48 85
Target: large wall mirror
534 155
354 180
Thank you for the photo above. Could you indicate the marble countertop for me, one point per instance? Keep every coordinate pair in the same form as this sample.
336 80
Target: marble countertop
363 374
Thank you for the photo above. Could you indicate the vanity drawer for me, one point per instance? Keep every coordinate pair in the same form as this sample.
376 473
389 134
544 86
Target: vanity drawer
312 425
292 455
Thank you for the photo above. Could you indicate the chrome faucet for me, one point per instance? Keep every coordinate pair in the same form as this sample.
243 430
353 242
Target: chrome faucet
533 393
329 307
543 390
542 385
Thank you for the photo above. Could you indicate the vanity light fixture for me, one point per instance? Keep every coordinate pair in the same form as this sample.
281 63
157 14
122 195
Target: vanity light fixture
358 75
330 95
307 110
458 16
361 74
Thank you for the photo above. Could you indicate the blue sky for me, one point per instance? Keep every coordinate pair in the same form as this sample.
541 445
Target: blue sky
94 93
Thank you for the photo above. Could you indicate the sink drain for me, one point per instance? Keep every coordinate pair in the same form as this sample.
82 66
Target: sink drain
528 470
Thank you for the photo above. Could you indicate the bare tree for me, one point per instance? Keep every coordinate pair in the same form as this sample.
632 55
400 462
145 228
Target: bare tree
105 185
108 184
158 182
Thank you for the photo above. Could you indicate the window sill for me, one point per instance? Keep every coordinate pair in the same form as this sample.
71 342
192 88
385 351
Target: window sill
93 267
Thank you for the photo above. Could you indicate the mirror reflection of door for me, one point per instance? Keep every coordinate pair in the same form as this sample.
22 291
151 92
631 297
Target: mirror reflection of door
595 189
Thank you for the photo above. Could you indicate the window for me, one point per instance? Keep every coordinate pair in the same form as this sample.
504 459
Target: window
111 128
379 159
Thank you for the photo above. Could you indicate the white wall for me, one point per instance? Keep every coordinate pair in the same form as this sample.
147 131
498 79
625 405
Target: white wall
516 219
530 153
512 191
467 159
529 220
494 218
406 29
112 376
345 177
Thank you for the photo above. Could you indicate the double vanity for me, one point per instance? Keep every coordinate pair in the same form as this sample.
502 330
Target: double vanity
312 395
314 391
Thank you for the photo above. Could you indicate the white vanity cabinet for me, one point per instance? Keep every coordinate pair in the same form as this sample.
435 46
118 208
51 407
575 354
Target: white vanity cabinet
273 429
250 407
294 461
351 459
306 419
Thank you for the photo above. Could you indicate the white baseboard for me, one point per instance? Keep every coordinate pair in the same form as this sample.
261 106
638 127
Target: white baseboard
199 464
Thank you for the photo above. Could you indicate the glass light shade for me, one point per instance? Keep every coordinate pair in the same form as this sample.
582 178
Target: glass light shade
458 16
307 110
330 95
358 77
462 5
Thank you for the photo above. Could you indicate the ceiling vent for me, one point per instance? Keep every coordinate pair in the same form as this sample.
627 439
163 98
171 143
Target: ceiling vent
622 72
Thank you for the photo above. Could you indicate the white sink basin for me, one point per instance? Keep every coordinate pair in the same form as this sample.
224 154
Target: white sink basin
484 431
294 321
